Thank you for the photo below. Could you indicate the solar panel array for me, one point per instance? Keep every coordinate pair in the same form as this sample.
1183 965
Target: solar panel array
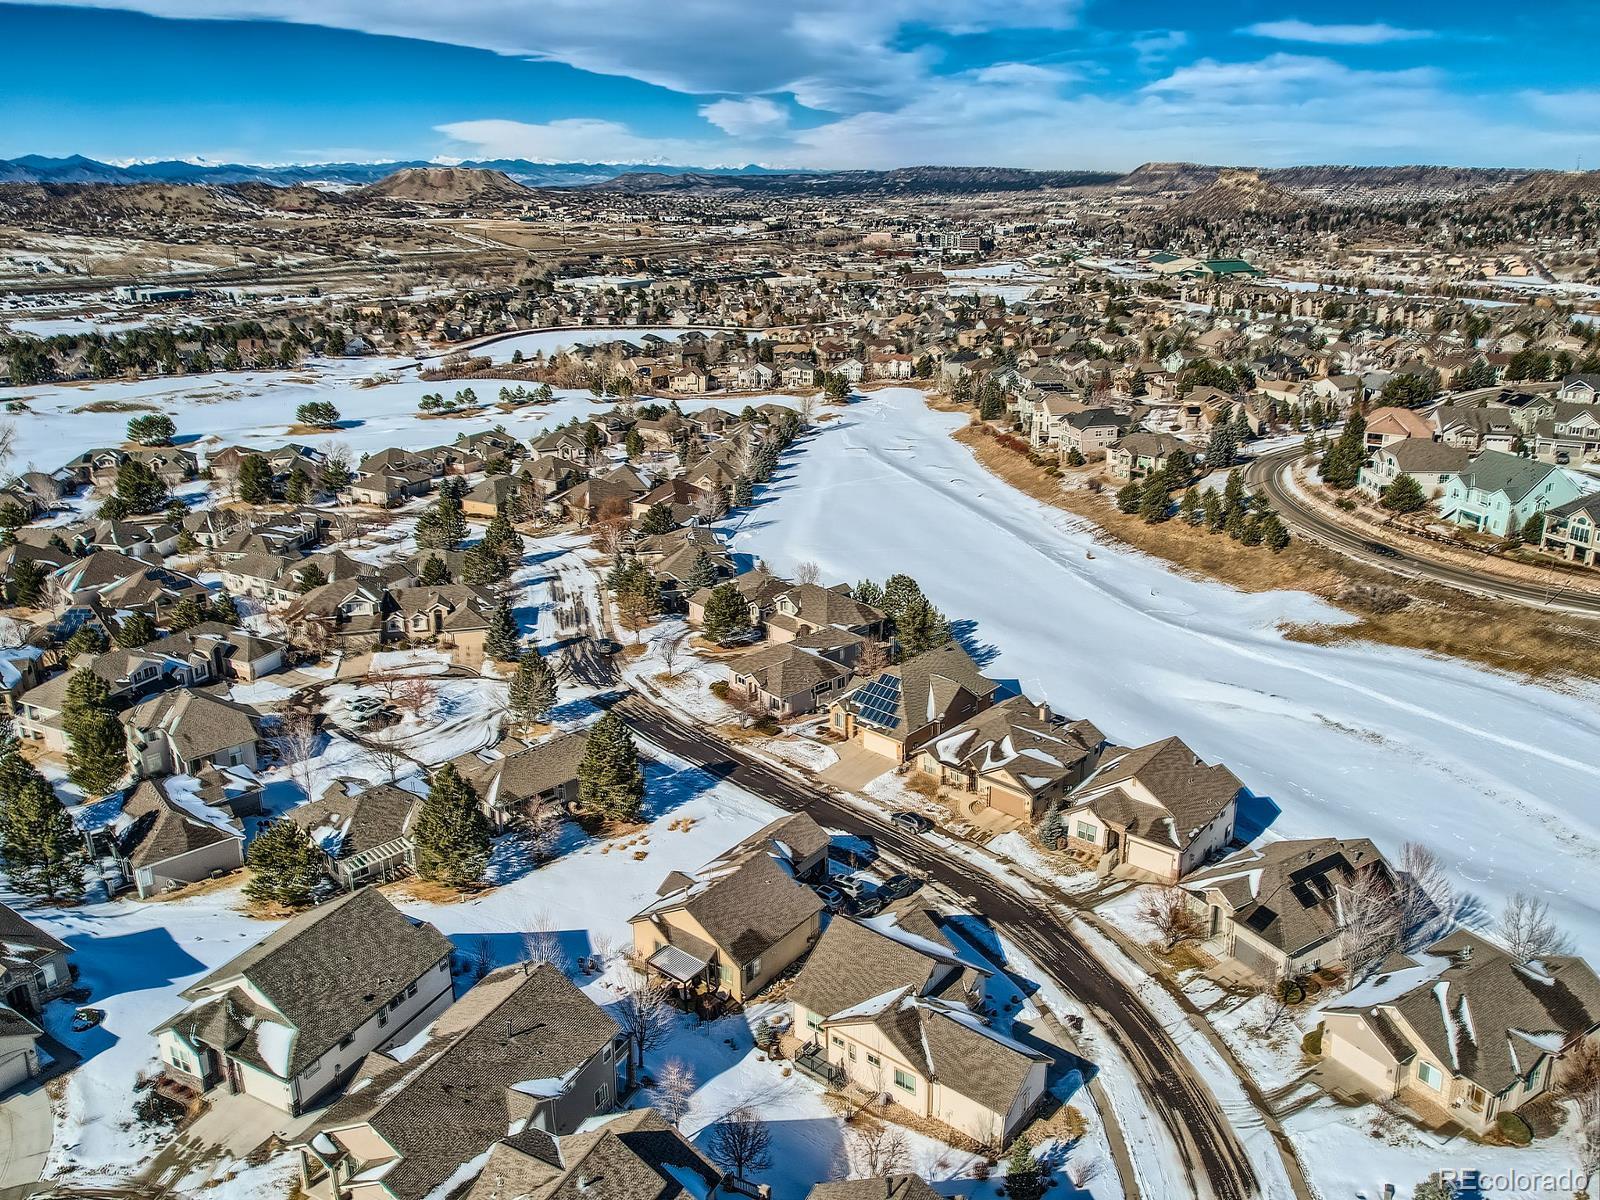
878 701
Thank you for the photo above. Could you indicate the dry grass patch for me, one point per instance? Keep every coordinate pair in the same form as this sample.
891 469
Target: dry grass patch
1538 644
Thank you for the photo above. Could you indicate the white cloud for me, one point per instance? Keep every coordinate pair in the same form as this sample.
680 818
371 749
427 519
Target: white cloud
752 116
1152 47
579 140
1376 33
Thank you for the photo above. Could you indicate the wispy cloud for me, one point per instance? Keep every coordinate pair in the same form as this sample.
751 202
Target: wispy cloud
1376 33
752 116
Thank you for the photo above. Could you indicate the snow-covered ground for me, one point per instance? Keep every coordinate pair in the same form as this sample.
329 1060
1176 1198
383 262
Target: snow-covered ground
1497 774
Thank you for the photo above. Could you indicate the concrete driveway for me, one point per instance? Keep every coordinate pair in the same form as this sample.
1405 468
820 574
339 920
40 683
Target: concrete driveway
856 767
26 1129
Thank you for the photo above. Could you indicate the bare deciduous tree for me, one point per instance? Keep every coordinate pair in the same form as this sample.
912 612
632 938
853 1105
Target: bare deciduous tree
674 1090
878 1148
541 831
1369 921
414 694
741 1142
295 741
387 684
542 944
1168 911
672 645
808 409
1528 930
645 1014
874 660
807 572
711 506
1426 899
1082 1171
387 757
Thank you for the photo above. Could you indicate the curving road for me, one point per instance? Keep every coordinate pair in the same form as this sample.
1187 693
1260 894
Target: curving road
1217 1163
1267 474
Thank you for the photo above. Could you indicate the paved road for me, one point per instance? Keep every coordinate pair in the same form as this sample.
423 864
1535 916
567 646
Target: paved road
1216 1161
1267 474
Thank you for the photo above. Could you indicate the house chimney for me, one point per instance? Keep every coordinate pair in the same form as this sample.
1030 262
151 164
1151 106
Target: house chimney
1044 711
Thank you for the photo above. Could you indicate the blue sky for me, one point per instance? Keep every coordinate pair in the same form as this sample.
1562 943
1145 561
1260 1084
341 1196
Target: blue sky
806 83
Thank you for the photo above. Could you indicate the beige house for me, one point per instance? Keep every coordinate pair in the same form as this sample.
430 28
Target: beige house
516 778
1091 432
1279 911
1463 1031
1572 530
524 1054
895 714
288 1020
787 680
1018 756
1140 454
163 841
729 929
1159 809
893 1007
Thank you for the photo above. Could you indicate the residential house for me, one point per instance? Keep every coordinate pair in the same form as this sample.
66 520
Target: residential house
1091 432
1432 464
891 1006
1571 434
181 732
1280 911
1159 809
729 929
787 680
516 778
895 714
880 1187
290 1019
1497 493
1572 530
1141 453
1018 757
1389 424
523 1052
1477 427
634 1155
1462 1031
165 837
363 831
809 608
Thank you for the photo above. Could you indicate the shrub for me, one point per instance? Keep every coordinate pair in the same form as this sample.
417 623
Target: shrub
1312 1042
1514 1129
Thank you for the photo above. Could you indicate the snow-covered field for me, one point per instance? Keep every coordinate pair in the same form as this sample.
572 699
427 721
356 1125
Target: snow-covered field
1500 776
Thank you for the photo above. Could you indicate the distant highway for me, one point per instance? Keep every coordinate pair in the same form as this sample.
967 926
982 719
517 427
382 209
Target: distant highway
1267 473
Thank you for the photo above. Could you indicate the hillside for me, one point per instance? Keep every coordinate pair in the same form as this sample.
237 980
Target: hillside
447 185
1237 192
98 204
901 181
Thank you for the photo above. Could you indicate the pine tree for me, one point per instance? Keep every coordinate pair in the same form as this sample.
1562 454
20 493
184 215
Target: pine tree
727 615
451 833
1404 495
640 595
187 613
1233 497
336 473
98 755
434 572
657 518
868 593
1154 500
298 488
1214 512
136 630
1223 446
633 445
1024 1178
26 587
1274 533
86 639
139 490
744 492
502 643
610 779
505 541
1129 496
919 627
441 526
702 574
41 848
255 479
1341 465
533 688
898 591
310 577
1190 507
285 867
482 564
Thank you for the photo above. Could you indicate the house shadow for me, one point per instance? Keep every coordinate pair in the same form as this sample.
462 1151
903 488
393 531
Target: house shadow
965 632
803 1151
474 955
1253 816
108 965
667 787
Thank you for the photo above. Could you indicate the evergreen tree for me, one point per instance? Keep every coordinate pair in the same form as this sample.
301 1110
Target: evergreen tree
505 541
633 445
26 587
225 609
1342 463
727 614
1233 497
1533 529
86 639
41 848
1190 507
1214 512
639 598
136 630
919 627
1129 496
187 613
1274 533
1025 1179
610 780
451 832
309 577
153 429
98 755
298 489
702 574
744 492
1223 447
434 572
533 688
139 490
1404 495
285 867
482 564
899 591
503 641
868 593
336 472
255 479
442 526
1154 500
657 518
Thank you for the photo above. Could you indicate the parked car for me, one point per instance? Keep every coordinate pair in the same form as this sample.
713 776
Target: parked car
867 904
911 822
830 895
1382 549
363 703
897 887
606 646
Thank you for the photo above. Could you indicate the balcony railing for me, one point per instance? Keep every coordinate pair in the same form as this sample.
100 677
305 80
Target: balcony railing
813 1061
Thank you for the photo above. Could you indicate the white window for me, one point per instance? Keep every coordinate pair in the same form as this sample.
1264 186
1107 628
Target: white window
1429 1074
905 1081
